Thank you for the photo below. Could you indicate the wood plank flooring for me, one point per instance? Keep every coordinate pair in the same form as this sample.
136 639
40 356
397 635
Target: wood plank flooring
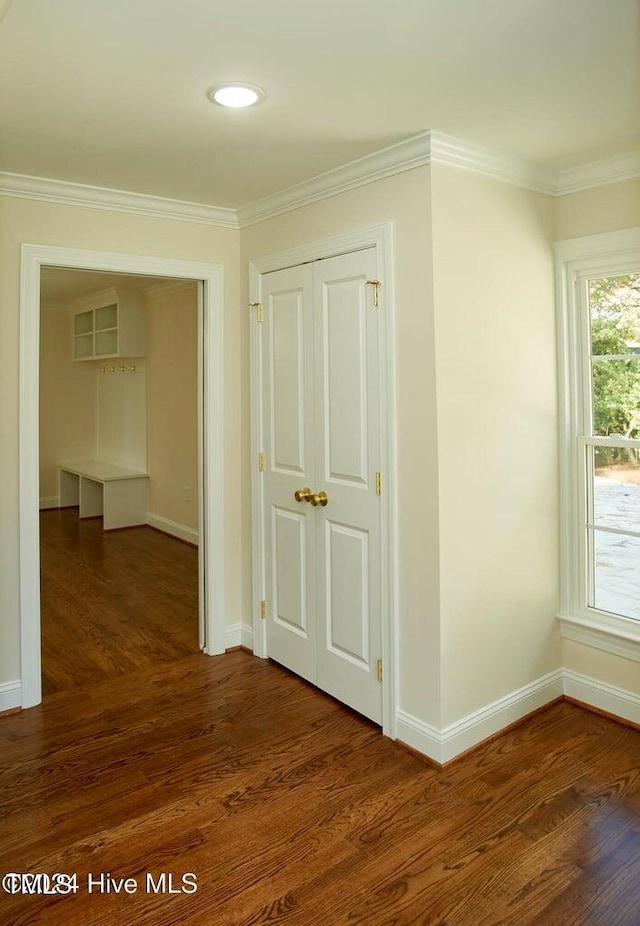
114 602
290 809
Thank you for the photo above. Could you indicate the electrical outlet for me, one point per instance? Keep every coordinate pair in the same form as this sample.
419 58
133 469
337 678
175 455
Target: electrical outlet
186 494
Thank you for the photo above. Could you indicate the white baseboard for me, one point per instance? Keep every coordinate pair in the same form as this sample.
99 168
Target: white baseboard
53 502
612 700
171 527
10 695
153 520
239 635
419 735
443 745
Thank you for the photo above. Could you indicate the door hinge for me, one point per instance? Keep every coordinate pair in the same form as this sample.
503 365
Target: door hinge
258 306
378 484
264 610
379 669
262 461
376 288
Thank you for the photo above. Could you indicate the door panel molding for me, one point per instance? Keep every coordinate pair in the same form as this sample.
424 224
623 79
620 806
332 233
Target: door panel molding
287 393
347 549
290 607
211 436
346 407
379 237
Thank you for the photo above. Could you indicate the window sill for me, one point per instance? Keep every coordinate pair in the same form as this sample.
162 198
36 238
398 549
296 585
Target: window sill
617 635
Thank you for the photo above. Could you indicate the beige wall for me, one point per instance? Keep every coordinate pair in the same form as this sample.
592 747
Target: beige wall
24 220
603 667
478 542
172 406
496 386
478 573
592 212
404 200
67 400
603 209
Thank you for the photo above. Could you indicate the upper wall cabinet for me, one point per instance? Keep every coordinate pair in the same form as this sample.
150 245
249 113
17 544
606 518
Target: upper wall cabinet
114 324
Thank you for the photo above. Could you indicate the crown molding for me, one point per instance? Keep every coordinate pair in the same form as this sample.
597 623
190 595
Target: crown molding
405 155
454 152
598 173
79 194
431 147
95 300
169 288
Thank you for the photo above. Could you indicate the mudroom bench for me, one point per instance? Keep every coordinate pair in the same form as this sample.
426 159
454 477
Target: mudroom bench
118 494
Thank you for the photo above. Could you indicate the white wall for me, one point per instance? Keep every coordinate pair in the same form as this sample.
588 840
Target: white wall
121 412
35 222
496 399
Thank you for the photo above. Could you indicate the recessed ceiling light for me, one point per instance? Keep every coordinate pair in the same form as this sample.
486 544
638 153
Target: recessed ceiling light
236 95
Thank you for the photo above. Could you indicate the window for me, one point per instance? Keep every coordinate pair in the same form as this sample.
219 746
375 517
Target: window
612 445
599 321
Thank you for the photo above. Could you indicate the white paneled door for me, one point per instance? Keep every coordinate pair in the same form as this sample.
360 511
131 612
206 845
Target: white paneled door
322 518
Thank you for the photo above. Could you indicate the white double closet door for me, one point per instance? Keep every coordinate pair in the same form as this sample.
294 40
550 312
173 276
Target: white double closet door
321 425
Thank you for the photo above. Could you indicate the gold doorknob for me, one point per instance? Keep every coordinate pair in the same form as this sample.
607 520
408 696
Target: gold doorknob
319 498
316 498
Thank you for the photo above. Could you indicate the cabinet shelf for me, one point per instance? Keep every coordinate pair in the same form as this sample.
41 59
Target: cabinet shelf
115 328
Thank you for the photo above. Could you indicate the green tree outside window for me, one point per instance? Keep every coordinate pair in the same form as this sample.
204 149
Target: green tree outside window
615 330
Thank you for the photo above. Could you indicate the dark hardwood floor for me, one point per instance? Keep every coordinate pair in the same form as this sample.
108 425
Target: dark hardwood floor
113 602
291 809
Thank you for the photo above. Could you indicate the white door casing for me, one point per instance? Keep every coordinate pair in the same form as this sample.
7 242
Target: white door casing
211 438
322 368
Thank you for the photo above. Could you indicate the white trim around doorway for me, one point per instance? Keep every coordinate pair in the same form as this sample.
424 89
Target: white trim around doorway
211 415
379 237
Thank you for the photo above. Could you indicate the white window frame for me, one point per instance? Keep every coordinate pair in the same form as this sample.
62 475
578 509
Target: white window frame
578 259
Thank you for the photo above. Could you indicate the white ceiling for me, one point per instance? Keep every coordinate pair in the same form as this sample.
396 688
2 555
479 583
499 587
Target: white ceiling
113 92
